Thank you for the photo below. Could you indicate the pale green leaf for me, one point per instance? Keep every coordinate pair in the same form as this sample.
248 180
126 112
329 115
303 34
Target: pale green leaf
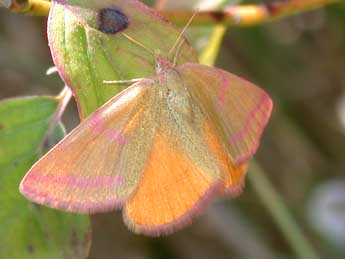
28 230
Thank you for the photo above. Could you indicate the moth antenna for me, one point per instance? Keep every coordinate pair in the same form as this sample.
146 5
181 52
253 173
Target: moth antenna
178 51
182 32
138 43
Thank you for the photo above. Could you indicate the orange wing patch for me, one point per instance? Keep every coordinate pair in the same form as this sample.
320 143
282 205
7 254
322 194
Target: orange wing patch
233 177
171 190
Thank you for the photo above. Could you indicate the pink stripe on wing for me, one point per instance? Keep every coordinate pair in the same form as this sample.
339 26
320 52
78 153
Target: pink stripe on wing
222 90
241 134
80 182
98 126
117 136
97 123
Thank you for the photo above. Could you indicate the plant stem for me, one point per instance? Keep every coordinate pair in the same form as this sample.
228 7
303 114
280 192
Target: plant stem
209 56
235 16
247 15
30 7
63 99
280 213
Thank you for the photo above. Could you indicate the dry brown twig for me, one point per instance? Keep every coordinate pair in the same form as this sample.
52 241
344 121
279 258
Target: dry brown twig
236 16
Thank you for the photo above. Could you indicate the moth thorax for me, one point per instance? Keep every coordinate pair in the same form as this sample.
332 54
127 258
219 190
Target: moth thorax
178 97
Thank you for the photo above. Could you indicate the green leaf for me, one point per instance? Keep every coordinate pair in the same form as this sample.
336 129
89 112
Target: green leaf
86 54
28 230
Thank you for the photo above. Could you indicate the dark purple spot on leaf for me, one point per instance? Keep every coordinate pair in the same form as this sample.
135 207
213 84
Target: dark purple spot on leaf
112 20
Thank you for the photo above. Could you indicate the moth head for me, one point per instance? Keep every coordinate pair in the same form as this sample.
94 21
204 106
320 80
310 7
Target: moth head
162 63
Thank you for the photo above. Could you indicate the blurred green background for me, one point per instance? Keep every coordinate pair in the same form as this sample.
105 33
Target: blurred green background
300 61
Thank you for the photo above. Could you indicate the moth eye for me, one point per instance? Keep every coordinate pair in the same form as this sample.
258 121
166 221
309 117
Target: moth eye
112 20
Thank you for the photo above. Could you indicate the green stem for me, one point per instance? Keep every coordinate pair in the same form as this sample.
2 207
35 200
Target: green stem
280 213
209 56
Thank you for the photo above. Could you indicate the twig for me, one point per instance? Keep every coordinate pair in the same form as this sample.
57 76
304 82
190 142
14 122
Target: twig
28 7
236 16
280 213
63 99
247 15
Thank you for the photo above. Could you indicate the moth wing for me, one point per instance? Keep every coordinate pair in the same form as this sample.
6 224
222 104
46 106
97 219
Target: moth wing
233 177
238 109
187 165
93 168
172 189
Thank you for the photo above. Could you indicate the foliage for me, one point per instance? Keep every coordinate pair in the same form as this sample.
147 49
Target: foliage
28 230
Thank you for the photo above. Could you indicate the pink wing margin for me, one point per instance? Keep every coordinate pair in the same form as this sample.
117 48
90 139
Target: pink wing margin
239 109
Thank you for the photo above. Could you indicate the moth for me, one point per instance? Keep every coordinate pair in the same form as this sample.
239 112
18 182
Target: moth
161 149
